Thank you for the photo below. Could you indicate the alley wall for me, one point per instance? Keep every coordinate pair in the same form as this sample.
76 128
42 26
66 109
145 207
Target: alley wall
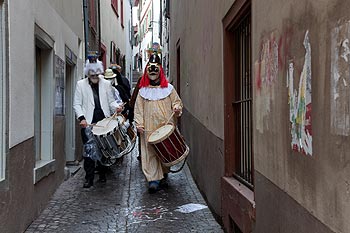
301 115
39 40
196 32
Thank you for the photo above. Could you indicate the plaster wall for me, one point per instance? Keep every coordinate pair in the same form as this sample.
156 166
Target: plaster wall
319 182
23 17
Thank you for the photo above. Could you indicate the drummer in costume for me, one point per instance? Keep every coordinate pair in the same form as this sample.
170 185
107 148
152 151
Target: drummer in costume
93 101
155 104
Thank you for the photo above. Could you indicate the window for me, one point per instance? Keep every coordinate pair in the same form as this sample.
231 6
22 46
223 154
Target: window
3 83
122 13
114 4
242 103
44 104
238 98
113 56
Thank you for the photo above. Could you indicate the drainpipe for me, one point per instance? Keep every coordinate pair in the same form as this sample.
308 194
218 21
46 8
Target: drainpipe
86 27
152 22
99 27
160 25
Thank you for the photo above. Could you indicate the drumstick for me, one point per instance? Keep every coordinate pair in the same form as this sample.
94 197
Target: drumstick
94 125
170 118
114 114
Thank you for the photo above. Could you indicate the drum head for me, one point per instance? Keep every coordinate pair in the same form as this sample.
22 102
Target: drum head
105 126
161 133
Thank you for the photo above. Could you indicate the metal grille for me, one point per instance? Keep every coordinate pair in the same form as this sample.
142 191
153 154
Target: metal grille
243 102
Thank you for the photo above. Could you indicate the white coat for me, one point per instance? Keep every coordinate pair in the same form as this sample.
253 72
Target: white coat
84 103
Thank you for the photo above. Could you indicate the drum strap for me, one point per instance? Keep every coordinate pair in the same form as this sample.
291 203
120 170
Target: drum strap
182 166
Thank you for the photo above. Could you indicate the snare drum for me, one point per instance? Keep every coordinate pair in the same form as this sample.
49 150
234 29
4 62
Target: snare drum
109 139
169 145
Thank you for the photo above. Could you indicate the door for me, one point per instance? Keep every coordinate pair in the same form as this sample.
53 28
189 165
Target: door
70 119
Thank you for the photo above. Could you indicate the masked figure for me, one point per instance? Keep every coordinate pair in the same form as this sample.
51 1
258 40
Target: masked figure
156 101
93 101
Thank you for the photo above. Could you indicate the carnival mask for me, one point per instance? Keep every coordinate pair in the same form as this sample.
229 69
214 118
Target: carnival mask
93 76
153 71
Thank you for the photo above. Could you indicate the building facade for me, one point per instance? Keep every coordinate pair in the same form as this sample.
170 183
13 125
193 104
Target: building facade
165 36
41 59
265 90
149 24
116 46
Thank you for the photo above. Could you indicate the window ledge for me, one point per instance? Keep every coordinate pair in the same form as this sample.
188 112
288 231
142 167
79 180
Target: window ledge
241 189
43 168
2 182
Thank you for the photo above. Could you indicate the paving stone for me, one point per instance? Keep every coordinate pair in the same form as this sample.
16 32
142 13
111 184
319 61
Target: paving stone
123 204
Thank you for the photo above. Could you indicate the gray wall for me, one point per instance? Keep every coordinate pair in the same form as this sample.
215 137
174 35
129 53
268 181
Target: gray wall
315 186
21 199
319 183
201 85
72 14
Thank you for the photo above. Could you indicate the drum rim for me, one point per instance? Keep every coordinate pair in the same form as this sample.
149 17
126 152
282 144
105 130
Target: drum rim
165 136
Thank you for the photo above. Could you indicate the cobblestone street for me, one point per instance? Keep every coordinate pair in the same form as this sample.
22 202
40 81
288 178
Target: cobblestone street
123 204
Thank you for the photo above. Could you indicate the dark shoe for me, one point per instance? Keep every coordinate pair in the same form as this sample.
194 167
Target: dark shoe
139 157
163 183
102 178
88 184
153 186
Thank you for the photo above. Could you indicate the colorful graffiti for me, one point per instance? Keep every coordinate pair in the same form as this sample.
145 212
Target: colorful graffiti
266 69
300 103
340 80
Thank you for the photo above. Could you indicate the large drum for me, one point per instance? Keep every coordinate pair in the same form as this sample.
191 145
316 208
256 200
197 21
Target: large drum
169 145
110 139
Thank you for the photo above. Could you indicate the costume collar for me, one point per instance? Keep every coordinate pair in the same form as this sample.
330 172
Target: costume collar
156 93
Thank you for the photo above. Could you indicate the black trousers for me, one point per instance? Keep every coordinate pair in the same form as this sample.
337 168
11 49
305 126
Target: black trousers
90 165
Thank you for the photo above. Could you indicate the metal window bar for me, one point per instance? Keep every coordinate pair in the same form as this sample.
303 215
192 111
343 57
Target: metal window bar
243 103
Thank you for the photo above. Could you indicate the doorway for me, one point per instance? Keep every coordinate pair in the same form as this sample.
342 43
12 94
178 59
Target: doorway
70 120
72 154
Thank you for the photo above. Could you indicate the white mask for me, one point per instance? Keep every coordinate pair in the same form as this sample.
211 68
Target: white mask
93 77
153 71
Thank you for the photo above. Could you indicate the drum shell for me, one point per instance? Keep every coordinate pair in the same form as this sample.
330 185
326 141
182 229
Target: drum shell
171 149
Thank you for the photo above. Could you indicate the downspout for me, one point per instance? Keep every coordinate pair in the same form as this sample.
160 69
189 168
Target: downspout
99 26
152 22
160 25
86 27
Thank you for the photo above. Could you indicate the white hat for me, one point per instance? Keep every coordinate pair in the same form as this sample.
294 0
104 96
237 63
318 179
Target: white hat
109 74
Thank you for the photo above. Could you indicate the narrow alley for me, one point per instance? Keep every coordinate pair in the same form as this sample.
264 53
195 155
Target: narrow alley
252 96
124 205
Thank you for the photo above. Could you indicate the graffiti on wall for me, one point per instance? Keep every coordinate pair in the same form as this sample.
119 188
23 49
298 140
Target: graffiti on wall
340 80
274 52
300 103
266 74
